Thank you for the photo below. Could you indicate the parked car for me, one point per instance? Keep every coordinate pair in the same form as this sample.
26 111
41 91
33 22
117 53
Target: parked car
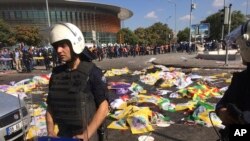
14 117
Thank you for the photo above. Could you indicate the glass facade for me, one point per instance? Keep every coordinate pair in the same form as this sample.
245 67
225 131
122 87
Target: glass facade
105 23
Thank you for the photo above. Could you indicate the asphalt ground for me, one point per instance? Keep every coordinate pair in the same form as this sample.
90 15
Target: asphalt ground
179 60
179 131
187 62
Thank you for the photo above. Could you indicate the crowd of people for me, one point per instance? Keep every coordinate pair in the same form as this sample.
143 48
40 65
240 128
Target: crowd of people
23 59
117 51
128 50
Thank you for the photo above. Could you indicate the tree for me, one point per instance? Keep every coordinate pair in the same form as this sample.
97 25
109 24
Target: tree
183 35
28 35
215 25
7 35
237 18
129 36
158 33
152 38
141 34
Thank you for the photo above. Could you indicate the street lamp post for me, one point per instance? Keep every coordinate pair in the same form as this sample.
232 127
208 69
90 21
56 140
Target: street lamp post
246 8
229 28
175 31
222 28
175 19
190 23
167 35
47 8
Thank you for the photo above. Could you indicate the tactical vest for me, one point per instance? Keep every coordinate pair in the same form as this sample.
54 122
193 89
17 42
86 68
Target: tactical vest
70 98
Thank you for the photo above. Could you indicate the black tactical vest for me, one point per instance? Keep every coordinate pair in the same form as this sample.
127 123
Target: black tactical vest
70 99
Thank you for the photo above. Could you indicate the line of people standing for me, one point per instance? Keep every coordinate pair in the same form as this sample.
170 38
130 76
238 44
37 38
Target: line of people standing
19 59
128 50
23 59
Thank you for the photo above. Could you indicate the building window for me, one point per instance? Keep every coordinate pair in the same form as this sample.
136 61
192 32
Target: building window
41 17
7 15
53 17
2 15
76 18
61 18
24 14
12 15
81 19
64 17
68 16
71 16
18 14
35 14
58 16
30 15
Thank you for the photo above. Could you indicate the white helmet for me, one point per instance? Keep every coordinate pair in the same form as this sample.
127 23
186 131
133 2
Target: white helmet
68 31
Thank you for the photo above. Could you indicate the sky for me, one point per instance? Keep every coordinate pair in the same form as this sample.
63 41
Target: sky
148 12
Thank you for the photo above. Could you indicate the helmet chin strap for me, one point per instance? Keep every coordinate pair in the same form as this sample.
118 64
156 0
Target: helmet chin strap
72 61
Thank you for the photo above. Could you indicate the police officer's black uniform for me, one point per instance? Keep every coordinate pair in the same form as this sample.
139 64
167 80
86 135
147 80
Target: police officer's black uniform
238 92
236 100
74 96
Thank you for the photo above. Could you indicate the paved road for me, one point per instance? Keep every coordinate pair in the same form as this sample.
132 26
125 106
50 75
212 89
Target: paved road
176 132
183 60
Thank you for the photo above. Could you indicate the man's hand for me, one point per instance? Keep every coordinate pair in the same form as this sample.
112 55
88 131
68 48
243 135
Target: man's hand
226 118
50 124
83 136
52 134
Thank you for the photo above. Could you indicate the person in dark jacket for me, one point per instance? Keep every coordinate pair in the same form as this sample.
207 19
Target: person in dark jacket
237 95
234 107
27 59
46 59
77 101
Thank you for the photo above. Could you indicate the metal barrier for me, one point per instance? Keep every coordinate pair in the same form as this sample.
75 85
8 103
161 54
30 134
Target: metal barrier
5 64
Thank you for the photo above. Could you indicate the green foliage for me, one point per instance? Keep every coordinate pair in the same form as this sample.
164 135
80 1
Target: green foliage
27 34
215 25
129 36
157 34
237 18
183 35
11 35
7 36
141 34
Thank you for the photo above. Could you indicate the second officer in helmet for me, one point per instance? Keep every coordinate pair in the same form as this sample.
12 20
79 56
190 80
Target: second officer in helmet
77 101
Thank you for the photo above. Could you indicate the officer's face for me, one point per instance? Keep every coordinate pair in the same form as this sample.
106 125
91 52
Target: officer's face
63 51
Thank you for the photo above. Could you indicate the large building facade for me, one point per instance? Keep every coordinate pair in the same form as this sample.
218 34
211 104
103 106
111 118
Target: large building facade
98 22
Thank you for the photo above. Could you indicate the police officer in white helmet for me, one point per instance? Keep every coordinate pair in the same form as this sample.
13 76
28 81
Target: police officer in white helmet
234 106
77 99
